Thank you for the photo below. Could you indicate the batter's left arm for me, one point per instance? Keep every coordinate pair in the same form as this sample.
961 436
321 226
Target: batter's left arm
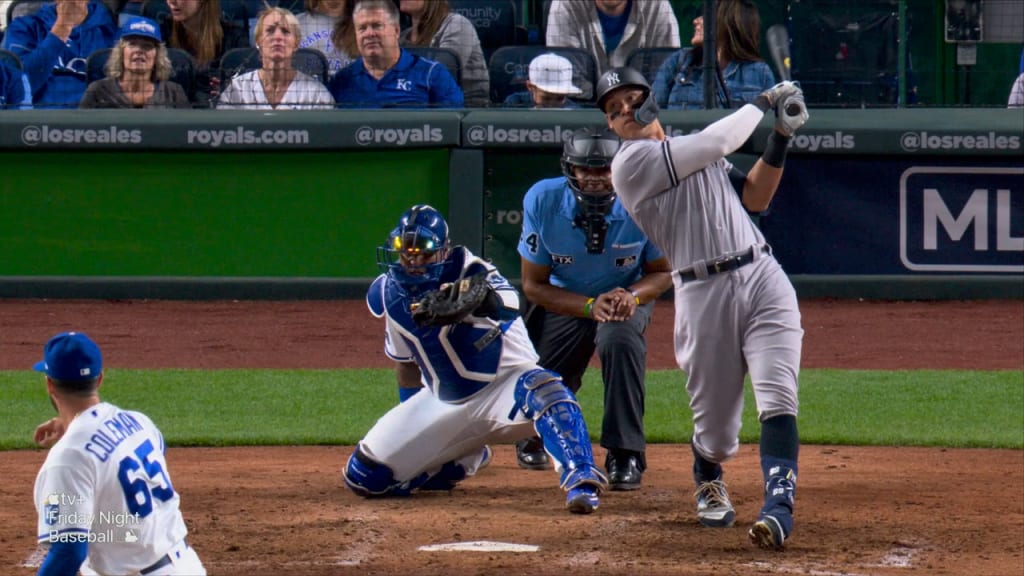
760 186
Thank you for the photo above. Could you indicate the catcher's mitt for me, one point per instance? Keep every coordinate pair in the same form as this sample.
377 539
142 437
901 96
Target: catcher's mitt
451 303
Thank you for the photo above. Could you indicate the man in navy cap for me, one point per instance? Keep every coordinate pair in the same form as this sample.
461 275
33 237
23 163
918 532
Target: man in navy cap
104 495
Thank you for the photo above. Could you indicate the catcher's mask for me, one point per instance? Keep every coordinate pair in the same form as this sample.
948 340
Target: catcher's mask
592 149
417 248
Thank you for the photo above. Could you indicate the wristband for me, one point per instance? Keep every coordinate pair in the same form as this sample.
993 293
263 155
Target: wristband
636 297
588 307
775 150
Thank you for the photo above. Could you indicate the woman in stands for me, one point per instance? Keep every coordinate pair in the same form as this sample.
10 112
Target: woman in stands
197 27
435 25
318 23
277 85
742 74
137 72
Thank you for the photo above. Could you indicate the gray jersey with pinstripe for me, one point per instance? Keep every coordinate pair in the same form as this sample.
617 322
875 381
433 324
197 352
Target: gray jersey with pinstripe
747 320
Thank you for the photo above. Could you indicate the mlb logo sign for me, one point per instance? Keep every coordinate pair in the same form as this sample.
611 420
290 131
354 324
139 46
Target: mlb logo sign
962 219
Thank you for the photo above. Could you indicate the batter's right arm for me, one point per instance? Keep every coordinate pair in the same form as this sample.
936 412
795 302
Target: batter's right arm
692 152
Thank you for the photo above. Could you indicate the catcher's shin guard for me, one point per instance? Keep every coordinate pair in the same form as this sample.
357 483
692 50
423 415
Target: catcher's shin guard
557 418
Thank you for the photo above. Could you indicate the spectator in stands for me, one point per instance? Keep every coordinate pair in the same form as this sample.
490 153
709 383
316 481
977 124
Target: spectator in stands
277 85
318 23
742 74
434 24
137 72
549 85
15 92
612 29
386 75
53 44
1017 93
197 27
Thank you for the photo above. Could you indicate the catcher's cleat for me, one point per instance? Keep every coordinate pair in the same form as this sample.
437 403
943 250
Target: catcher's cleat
582 499
530 454
485 458
768 532
714 509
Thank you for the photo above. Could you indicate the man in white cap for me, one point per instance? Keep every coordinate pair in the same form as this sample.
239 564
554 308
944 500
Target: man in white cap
549 85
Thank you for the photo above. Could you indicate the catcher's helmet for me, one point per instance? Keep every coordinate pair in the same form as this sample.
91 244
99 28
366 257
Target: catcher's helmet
421 231
590 148
623 76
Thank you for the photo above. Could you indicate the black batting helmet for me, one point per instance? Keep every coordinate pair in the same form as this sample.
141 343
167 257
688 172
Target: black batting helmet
590 148
623 76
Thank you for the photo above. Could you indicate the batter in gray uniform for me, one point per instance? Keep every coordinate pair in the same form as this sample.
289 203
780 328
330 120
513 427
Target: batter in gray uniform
736 311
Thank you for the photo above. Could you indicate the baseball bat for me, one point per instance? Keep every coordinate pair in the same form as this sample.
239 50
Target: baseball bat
778 47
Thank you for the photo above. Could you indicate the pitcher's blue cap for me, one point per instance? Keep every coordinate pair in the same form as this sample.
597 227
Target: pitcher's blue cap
140 26
71 356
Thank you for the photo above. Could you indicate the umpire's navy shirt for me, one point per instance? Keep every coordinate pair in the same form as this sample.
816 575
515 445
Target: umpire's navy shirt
413 81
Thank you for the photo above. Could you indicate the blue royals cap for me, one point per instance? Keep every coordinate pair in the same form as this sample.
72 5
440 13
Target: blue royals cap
70 356
141 27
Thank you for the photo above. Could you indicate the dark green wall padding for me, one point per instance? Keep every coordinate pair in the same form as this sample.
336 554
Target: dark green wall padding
308 214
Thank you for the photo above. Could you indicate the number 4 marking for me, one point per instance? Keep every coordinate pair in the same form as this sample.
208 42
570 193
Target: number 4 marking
137 493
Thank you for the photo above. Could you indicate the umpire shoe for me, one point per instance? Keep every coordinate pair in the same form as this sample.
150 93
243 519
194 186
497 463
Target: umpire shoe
714 509
624 470
770 530
531 455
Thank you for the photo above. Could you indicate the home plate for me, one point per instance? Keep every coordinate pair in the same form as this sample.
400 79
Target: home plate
480 546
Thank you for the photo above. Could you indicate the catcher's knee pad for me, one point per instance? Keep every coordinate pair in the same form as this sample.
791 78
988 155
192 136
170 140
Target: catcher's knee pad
538 389
369 478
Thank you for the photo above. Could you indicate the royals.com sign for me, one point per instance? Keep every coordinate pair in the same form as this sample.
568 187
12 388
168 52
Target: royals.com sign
962 219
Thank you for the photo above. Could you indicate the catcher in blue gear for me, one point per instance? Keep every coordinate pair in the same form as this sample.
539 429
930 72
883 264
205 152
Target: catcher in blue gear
478 369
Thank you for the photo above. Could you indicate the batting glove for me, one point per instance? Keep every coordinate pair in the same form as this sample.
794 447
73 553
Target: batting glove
791 114
780 92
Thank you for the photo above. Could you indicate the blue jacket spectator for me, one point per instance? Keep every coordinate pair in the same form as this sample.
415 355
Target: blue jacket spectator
53 44
15 92
679 83
386 75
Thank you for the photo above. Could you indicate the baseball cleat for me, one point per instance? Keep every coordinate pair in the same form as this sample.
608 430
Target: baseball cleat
582 499
768 533
485 458
530 454
714 509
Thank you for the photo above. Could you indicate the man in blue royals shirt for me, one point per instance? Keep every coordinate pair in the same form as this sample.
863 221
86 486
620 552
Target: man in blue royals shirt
386 75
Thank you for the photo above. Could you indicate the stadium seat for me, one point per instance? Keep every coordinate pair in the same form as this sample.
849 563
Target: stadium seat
24 8
241 60
449 58
11 59
495 22
649 60
510 65
94 64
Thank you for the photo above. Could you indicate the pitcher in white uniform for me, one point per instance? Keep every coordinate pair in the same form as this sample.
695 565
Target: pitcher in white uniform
736 311
104 495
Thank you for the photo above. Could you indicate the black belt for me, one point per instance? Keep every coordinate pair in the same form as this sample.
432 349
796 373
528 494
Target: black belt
164 561
726 264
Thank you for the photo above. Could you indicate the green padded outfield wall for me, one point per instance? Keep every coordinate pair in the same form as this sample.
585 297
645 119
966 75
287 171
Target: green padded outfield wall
216 213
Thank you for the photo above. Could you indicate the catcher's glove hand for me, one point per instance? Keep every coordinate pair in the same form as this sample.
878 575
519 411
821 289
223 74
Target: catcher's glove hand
451 303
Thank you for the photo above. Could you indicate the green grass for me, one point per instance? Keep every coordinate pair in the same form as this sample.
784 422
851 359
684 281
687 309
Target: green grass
257 407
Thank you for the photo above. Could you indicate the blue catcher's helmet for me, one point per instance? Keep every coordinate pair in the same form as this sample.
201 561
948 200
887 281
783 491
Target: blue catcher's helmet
417 248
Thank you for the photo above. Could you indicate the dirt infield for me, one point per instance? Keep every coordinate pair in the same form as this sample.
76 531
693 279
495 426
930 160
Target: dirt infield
283 510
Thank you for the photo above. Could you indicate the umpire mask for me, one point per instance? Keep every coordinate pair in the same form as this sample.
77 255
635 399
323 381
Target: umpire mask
586 163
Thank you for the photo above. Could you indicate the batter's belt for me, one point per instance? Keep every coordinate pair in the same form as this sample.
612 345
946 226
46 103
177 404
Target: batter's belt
723 264
163 561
